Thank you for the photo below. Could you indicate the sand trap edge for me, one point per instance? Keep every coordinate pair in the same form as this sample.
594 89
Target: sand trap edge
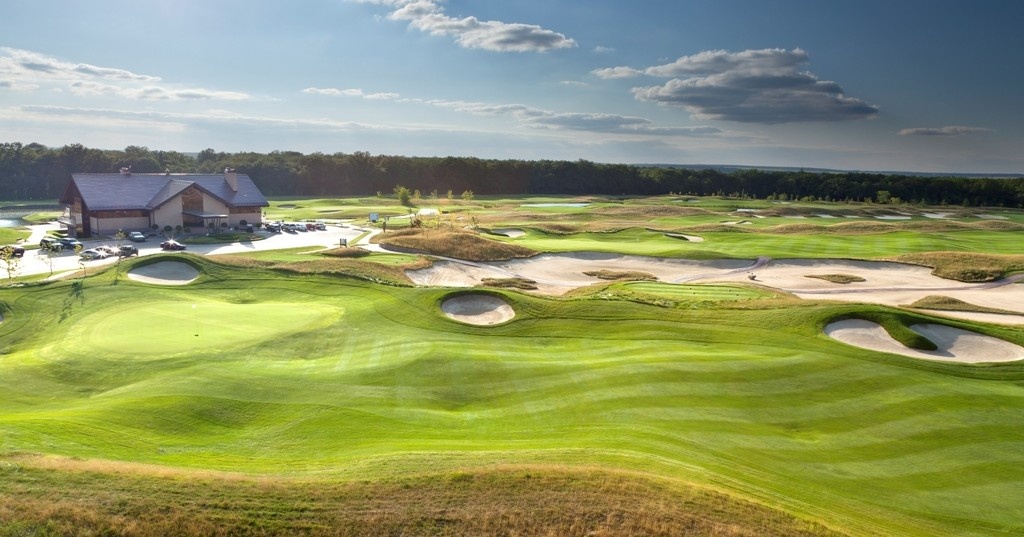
164 273
477 309
954 345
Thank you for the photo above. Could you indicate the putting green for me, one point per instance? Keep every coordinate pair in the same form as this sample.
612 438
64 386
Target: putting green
163 327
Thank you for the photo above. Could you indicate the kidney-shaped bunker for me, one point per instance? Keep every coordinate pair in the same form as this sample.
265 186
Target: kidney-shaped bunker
478 309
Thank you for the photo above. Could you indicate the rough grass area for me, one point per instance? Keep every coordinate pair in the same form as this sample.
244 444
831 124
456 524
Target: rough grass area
457 244
66 497
836 278
356 268
967 267
621 275
946 303
524 284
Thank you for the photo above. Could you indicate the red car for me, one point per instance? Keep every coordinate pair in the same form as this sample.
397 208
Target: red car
171 245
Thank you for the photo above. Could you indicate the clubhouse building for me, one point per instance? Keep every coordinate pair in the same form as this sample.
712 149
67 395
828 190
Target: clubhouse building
98 204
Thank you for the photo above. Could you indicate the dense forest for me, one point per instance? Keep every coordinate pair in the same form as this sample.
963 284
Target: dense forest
36 172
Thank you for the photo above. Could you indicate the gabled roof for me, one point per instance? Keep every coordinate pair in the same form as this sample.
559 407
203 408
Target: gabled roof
117 191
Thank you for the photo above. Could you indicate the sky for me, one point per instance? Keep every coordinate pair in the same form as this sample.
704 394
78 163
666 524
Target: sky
893 85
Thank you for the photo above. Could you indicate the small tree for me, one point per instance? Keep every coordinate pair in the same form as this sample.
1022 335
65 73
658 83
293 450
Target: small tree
450 194
11 263
467 195
51 254
403 194
168 230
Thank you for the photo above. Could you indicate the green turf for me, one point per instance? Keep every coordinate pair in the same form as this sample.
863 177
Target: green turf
303 375
796 245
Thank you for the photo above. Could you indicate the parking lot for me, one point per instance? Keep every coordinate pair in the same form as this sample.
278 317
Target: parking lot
36 261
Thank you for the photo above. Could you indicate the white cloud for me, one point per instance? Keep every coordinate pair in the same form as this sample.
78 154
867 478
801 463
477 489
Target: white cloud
155 93
617 72
33 65
14 86
469 32
952 130
752 86
27 70
352 92
580 122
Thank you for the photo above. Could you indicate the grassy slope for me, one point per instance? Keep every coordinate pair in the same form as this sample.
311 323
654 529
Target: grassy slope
753 400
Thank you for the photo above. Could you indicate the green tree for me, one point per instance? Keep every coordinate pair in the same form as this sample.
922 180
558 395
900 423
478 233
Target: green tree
467 195
402 194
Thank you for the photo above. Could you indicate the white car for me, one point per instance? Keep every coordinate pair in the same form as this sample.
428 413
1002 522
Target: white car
93 253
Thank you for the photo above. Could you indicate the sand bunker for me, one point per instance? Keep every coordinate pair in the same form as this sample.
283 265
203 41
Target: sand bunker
165 273
691 238
478 309
954 344
510 232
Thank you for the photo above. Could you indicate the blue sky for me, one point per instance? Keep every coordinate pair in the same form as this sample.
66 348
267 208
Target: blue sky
931 86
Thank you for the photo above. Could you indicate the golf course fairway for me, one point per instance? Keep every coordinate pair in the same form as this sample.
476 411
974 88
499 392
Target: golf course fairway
317 402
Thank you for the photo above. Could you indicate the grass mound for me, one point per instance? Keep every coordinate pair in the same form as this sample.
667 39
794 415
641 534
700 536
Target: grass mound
618 275
967 267
524 284
836 278
946 303
458 244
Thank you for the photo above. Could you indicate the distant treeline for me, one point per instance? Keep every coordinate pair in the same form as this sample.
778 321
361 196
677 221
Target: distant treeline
33 171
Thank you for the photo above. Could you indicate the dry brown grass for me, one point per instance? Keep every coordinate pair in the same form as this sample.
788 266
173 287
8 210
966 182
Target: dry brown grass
947 303
622 275
330 266
966 266
509 283
506 501
836 278
460 244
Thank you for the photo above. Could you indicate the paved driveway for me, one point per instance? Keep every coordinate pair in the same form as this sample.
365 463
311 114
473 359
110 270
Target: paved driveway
36 261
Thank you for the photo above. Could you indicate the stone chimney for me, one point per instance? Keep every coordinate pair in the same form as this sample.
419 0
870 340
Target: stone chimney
232 178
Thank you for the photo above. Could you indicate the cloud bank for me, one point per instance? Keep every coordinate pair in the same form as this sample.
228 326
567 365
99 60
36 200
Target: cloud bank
952 130
752 86
469 32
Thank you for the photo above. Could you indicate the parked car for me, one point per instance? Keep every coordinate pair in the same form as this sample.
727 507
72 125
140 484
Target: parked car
320 226
109 250
137 236
171 245
12 250
93 253
273 227
51 243
310 226
127 250
70 243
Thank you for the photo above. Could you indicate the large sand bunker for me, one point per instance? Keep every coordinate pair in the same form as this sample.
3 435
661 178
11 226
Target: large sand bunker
164 273
478 309
954 344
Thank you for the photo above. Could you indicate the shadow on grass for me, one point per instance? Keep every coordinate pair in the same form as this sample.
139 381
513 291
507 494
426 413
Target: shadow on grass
76 294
